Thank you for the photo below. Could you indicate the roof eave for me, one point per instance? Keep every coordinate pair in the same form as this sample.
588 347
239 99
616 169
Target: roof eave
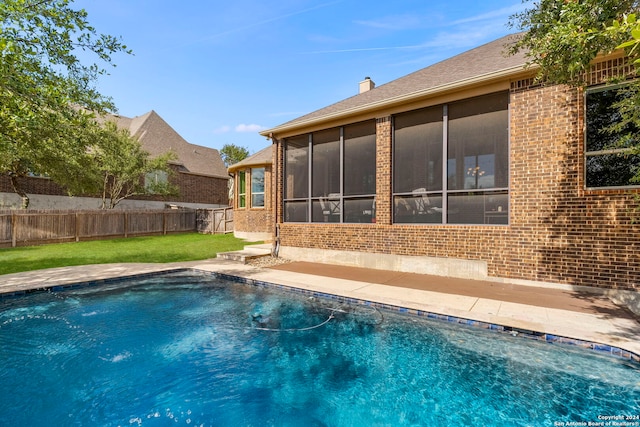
408 97
237 166
207 175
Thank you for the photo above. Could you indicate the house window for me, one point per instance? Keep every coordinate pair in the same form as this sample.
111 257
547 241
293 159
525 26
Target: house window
325 176
296 185
359 172
242 189
257 187
338 168
417 165
609 159
450 162
155 180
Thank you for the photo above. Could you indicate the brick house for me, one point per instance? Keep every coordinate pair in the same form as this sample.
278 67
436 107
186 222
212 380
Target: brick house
466 168
252 197
198 173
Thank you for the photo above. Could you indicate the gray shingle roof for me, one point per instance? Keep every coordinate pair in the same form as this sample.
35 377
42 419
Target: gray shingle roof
262 157
484 61
157 137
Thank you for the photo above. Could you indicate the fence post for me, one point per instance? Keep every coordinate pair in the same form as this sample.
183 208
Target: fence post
14 224
77 228
126 224
164 222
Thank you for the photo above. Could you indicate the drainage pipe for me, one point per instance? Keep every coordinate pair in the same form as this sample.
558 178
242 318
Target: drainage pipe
275 249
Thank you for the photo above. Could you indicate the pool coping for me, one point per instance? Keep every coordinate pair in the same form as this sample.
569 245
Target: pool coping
603 348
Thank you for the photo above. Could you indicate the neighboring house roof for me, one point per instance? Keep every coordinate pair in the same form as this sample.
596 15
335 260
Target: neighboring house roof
157 137
482 64
262 157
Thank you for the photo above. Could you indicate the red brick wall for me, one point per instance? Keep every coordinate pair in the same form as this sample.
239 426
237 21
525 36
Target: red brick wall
250 219
558 232
191 188
201 189
253 221
383 171
32 185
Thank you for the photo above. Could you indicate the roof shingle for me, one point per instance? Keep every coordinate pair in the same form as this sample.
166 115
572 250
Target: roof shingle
157 137
484 60
262 157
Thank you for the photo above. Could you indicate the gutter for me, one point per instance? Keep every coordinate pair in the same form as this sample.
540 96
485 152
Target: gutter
203 174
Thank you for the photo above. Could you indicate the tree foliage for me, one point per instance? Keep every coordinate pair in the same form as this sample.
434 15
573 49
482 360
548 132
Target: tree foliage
120 168
629 26
232 154
563 37
46 92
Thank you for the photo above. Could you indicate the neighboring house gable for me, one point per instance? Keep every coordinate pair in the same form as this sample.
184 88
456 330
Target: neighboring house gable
157 137
199 173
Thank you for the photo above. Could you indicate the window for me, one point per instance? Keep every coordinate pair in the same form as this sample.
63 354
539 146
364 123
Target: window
477 160
609 161
330 176
469 139
242 189
325 170
155 180
360 172
296 185
257 187
417 166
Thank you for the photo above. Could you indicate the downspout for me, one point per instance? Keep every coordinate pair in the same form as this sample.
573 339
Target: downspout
275 249
276 243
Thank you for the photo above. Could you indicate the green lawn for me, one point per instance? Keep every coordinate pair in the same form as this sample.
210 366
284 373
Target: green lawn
170 248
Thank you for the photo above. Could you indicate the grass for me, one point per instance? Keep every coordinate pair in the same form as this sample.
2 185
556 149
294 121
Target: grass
153 249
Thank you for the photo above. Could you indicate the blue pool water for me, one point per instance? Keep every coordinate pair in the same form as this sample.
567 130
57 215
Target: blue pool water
191 349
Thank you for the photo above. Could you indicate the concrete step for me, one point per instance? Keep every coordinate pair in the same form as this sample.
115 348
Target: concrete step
248 253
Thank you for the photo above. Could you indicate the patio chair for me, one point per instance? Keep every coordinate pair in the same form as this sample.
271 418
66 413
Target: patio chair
331 204
421 201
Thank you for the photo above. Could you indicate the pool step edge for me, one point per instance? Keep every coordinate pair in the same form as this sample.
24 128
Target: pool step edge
246 254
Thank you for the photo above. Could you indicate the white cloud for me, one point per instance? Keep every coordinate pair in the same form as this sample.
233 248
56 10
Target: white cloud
270 20
396 22
498 15
222 129
362 49
486 26
461 39
442 40
249 128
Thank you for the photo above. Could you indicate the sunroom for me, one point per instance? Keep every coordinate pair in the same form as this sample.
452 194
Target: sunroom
450 166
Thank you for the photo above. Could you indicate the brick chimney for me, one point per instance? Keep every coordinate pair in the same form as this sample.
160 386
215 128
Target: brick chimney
366 85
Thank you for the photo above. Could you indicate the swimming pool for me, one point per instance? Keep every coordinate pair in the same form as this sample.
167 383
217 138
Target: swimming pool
191 349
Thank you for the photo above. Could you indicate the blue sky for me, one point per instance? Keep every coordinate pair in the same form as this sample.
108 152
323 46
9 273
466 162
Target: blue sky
219 72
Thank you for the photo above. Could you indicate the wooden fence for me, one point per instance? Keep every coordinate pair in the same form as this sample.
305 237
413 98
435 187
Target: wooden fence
214 221
34 227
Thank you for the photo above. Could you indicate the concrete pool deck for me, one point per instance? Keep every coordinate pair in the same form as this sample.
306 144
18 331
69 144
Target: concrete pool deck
567 313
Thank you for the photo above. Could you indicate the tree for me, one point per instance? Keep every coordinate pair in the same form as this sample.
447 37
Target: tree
232 154
46 93
120 168
563 37
629 26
